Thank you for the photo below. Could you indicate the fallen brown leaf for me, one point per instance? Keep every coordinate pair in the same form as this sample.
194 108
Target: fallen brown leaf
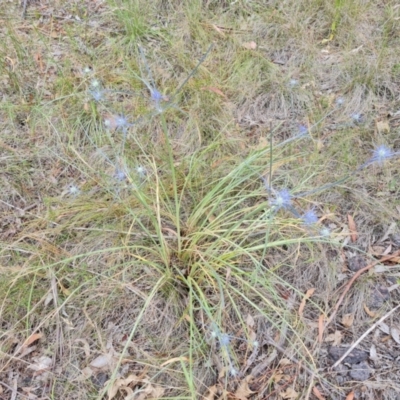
353 228
372 314
218 29
32 338
250 321
289 393
317 393
250 45
174 360
335 338
395 334
42 364
305 298
350 396
212 391
243 391
383 126
215 90
28 342
348 320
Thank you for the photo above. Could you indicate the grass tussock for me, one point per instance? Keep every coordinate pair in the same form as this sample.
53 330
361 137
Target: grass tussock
179 181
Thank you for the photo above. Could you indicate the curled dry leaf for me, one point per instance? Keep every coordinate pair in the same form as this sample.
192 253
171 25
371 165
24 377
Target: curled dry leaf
384 328
42 364
86 373
348 320
31 339
383 126
305 298
372 353
121 384
317 393
350 396
243 391
335 338
372 314
125 388
353 228
250 321
102 361
250 45
215 90
289 394
175 359
218 29
395 334
212 391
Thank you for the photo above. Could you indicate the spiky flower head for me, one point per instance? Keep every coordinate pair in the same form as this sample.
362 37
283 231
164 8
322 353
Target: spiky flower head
283 199
357 118
381 154
96 93
303 130
156 95
339 101
325 232
224 340
120 175
309 218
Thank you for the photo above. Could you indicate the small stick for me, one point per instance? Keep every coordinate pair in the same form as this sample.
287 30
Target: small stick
348 286
356 343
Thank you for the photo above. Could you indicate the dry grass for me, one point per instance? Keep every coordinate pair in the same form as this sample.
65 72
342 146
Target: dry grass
137 250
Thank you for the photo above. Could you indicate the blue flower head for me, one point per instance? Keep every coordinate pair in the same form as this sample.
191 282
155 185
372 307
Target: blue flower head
381 154
303 130
120 175
224 340
156 95
325 232
283 199
96 93
141 171
121 121
339 101
309 218
356 117
117 122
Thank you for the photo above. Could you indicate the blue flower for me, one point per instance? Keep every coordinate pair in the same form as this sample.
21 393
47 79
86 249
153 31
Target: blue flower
356 117
115 122
381 154
121 121
283 199
96 93
156 95
339 101
303 130
224 340
233 371
309 218
141 171
120 175
325 232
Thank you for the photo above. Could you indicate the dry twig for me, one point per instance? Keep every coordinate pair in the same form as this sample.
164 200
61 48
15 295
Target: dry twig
348 286
358 341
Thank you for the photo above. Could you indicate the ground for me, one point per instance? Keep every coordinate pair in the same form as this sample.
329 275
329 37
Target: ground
199 199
